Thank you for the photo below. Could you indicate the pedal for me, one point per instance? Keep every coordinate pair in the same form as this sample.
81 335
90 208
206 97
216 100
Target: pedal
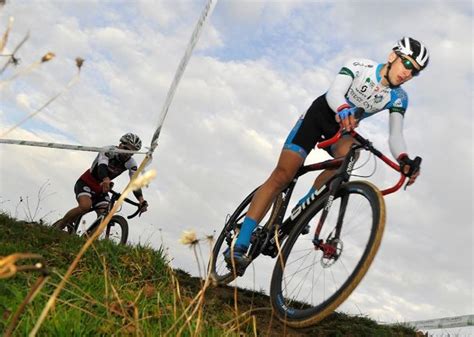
240 267
270 250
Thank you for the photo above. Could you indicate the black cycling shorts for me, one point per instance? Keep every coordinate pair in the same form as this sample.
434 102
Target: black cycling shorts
98 199
317 124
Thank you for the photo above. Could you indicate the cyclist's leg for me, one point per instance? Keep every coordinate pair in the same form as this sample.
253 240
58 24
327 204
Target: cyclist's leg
84 204
100 203
299 143
84 201
327 128
339 149
287 166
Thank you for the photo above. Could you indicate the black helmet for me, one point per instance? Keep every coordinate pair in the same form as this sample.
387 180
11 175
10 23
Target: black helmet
132 140
413 48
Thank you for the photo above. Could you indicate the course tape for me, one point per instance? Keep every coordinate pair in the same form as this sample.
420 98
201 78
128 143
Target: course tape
179 72
68 146
443 323
154 142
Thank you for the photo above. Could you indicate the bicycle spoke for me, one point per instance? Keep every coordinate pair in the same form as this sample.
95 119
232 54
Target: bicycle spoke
306 275
301 278
302 270
310 280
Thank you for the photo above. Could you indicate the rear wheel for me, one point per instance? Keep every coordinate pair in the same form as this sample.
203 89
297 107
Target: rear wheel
309 284
219 272
69 227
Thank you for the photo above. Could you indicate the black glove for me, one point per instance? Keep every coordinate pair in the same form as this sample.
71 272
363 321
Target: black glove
413 164
143 206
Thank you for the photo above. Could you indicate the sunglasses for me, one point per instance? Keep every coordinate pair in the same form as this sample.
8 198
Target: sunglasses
409 65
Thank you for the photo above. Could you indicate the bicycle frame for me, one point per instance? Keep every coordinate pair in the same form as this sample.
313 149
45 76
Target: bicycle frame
344 166
106 210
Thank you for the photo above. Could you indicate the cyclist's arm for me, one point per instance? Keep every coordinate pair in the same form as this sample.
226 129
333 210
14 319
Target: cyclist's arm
396 140
102 166
397 107
336 95
131 165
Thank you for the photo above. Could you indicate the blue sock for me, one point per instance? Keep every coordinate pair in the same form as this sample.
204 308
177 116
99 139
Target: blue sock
243 240
310 192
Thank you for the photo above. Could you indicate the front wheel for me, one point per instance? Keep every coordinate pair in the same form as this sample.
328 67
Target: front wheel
116 231
309 284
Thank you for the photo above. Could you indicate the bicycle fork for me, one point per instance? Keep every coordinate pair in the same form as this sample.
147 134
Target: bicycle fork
319 244
343 174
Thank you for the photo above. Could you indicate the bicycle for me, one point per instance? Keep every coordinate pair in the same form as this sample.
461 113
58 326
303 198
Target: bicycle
117 228
346 238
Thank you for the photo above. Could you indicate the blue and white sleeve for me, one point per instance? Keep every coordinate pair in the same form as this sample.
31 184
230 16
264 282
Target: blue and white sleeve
396 140
336 95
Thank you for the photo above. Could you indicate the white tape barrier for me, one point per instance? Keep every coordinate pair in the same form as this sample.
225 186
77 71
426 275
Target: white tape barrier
68 146
154 142
179 72
443 323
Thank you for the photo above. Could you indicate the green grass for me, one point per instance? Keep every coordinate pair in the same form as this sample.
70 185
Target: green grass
125 290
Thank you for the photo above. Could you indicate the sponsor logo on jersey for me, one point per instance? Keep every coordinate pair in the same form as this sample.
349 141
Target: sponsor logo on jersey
370 83
398 103
362 64
378 98
87 189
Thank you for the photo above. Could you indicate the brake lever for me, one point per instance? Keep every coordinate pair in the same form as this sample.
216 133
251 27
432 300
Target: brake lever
406 185
417 163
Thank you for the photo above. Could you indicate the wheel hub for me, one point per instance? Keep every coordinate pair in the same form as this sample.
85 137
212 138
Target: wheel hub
331 252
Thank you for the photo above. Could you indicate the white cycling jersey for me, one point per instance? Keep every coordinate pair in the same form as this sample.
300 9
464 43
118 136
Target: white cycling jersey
113 165
358 84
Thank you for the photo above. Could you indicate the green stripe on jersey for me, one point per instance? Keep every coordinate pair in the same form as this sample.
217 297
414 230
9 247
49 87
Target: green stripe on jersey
346 71
397 109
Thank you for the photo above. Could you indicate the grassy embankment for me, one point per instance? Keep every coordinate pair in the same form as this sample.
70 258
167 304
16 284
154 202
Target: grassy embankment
124 290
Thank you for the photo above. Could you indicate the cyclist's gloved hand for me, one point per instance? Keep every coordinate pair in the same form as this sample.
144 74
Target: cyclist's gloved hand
143 206
346 117
106 184
409 167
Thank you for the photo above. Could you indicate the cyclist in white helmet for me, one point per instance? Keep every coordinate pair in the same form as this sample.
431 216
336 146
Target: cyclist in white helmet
361 83
93 185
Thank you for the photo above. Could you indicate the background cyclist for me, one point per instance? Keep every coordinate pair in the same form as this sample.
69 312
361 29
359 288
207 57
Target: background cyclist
92 186
361 83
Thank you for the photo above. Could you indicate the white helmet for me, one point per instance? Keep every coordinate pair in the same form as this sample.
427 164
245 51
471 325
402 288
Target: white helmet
132 140
413 48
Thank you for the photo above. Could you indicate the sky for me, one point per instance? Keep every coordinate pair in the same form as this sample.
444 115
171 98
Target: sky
255 70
